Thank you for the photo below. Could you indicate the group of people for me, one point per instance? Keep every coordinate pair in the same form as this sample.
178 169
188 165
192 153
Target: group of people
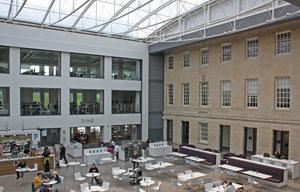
40 181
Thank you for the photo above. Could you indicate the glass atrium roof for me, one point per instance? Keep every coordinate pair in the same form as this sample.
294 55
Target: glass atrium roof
128 19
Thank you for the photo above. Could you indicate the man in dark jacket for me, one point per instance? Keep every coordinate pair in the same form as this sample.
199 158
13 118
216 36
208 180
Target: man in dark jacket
63 153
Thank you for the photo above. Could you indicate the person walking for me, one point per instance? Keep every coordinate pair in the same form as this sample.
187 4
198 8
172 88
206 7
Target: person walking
63 153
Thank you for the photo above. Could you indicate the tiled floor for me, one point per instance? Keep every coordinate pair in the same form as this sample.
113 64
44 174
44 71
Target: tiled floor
165 176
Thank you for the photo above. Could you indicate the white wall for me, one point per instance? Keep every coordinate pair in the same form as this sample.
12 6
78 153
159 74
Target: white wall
17 36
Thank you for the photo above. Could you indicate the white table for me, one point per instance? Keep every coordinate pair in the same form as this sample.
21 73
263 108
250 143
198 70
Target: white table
97 189
142 160
189 176
221 188
91 175
146 183
293 166
177 154
196 159
230 167
257 174
161 165
22 171
50 183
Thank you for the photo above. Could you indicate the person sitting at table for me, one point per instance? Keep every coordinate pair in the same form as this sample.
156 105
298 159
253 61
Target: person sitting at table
229 187
94 169
54 176
133 160
37 182
22 164
277 154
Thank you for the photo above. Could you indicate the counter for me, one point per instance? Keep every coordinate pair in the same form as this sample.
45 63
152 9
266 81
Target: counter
8 166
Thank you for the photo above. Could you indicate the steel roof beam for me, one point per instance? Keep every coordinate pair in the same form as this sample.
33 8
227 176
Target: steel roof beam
19 11
70 13
148 16
129 12
82 13
116 14
10 8
47 12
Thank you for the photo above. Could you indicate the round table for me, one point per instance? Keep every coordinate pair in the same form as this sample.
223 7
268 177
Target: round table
147 183
92 175
22 171
50 183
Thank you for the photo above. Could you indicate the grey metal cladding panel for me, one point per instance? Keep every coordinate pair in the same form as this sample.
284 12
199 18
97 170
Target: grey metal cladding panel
284 10
220 29
158 47
156 96
197 34
156 67
155 122
253 20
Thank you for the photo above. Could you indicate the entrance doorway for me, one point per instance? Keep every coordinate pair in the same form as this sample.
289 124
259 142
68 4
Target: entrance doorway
185 132
169 131
250 135
281 143
224 138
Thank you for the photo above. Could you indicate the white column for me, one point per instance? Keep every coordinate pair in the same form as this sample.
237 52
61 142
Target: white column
65 103
14 64
107 91
145 97
107 133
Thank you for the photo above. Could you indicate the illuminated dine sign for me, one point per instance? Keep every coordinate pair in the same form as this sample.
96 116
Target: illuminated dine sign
87 121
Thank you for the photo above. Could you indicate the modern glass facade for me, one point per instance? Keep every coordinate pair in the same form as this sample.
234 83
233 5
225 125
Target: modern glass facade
91 135
126 102
126 69
125 132
84 101
40 62
86 66
4 101
40 101
4 59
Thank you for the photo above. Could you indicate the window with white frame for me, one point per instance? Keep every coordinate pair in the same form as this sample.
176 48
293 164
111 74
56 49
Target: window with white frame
170 94
204 93
186 94
283 42
251 91
283 92
226 52
252 48
204 56
203 132
186 59
170 62
226 93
